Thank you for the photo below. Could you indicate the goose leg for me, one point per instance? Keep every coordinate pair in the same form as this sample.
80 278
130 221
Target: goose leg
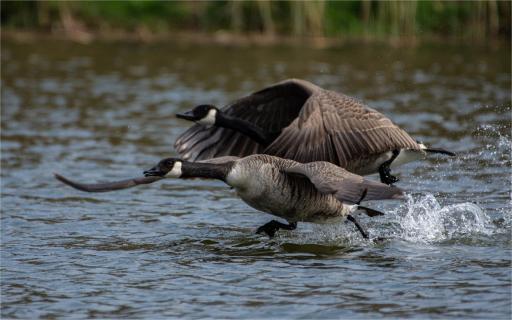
271 227
385 170
359 227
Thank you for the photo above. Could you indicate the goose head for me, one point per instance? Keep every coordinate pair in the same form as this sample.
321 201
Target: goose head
205 114
166 168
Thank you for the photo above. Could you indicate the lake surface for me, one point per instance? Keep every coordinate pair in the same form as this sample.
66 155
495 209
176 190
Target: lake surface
187 249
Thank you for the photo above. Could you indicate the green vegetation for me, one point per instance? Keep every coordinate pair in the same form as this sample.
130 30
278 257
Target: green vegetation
479 20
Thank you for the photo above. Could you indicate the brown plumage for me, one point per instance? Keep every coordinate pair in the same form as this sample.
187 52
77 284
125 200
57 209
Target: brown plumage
305 123
343 185
319 192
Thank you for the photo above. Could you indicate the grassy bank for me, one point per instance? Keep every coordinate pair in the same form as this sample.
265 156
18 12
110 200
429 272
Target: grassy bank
83 20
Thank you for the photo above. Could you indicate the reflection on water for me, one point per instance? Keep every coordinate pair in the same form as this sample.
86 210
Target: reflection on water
188 248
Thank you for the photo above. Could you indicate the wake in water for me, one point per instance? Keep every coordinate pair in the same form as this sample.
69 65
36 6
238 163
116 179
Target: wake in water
477 174
495 147
419 220
426 220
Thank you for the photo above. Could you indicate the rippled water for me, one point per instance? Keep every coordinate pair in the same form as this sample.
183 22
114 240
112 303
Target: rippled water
188 248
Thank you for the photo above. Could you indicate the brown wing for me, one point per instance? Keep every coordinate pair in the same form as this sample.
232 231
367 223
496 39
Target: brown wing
220 160
107 186
345 186
127 183
271 109
339 129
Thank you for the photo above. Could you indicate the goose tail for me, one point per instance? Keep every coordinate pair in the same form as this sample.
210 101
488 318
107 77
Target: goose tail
437 150
370 212
441 151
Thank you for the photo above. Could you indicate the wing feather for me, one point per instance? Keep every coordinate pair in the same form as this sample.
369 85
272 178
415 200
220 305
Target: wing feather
107 186
220 160
345 186
271 109
351 129
314 125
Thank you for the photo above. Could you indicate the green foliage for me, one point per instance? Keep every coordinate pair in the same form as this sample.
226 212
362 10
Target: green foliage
130 14
342 17
330 18
442 17
19 13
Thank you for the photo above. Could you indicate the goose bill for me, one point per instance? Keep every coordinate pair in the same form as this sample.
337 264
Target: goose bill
186 115
154 172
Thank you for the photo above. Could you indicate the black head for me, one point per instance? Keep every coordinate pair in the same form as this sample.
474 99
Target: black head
205 114
170 167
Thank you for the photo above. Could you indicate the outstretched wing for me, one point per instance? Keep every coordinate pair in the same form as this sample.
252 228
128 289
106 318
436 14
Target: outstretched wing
220 160
339 129
345 186
127 183
271 109
107 186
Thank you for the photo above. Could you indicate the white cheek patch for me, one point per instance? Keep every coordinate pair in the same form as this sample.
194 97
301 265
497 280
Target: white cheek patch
175 172
209 120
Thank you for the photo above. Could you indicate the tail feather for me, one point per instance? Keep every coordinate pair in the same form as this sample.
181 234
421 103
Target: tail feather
441 151
370 212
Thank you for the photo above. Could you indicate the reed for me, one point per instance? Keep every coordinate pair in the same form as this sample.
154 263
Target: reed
464 19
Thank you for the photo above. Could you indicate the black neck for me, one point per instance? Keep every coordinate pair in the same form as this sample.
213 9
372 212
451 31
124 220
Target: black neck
244 127
205 170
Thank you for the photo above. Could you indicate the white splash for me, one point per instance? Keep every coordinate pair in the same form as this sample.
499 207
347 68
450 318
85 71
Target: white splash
426 220
497 146
420 219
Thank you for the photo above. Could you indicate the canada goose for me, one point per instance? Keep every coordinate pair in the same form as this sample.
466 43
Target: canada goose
319 192
295 119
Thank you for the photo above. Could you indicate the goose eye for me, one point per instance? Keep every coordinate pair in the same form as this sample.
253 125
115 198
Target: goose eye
168 163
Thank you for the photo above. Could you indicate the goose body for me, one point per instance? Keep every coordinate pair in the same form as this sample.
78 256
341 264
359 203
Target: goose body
262 182
295 119
318 192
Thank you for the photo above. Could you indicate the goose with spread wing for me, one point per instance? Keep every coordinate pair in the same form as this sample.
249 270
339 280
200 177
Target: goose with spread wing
295 119
318 192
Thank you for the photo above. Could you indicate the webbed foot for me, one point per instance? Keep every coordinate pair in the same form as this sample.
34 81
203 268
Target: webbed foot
387 178
271 227
385 170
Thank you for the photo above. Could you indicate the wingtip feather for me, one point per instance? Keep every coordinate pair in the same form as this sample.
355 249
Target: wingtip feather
440 151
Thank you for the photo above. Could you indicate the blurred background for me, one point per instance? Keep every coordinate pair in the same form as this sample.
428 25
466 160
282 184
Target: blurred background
265 21
90 89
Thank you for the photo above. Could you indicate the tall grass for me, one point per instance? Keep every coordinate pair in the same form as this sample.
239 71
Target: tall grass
465 19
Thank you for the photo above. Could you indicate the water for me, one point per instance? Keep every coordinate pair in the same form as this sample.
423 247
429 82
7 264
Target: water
188 248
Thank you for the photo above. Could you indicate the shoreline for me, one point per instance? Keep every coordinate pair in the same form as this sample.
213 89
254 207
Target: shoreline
226 38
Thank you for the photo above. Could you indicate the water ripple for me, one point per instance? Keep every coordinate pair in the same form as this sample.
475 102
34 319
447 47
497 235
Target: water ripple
187 249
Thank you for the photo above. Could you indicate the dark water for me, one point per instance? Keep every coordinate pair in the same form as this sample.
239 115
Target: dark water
188 248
